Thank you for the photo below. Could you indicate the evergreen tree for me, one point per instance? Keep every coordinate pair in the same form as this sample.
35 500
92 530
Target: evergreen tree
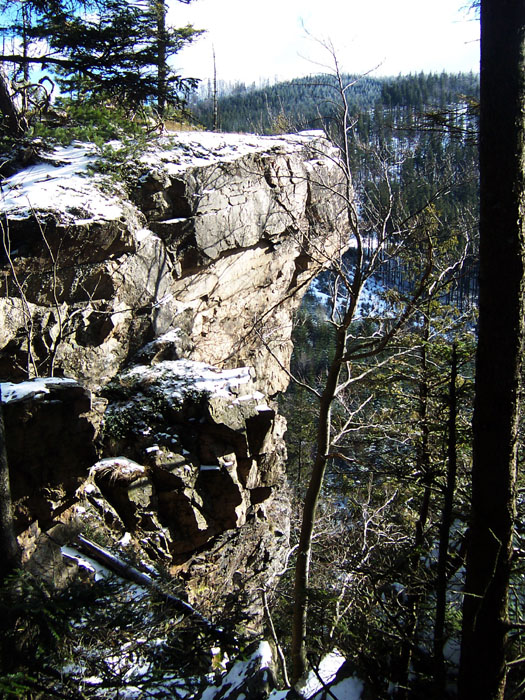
109 48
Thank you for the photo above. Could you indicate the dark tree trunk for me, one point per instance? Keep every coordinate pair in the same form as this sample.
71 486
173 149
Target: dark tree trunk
9 109
162 70
9 550
500 349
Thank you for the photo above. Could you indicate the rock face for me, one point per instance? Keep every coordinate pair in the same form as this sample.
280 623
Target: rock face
215 237
50 446
210 445
170 296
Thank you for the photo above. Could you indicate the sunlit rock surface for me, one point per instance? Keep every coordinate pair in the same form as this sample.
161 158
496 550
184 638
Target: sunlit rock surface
213 236
169 293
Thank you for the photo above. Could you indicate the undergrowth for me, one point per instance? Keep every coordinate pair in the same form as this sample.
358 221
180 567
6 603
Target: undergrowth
93 639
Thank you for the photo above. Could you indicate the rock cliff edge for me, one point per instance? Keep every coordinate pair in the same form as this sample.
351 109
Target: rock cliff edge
166 289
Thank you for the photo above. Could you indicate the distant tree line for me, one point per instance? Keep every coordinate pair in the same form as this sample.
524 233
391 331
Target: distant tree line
422 128
304 103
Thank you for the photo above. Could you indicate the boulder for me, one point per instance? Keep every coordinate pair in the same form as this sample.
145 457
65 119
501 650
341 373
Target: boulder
211 446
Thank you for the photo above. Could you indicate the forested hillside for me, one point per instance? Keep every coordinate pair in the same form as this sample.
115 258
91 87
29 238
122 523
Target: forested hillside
387 547
304 103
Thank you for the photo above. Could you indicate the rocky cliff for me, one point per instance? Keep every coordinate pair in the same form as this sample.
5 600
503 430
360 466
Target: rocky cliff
165 287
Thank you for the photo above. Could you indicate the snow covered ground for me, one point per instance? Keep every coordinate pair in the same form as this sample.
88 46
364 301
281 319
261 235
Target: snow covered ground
346 689
371 302
312 689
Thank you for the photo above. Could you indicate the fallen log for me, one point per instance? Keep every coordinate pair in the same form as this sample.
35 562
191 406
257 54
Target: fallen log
130 573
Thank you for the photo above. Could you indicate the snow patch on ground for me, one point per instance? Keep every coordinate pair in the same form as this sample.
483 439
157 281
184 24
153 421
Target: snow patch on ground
85 562
328 668
240 672
370 303
347 689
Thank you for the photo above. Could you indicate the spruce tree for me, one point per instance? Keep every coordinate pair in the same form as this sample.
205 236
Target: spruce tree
120 50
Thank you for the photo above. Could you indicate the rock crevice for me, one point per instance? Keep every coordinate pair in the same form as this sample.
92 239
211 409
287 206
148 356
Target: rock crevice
173 305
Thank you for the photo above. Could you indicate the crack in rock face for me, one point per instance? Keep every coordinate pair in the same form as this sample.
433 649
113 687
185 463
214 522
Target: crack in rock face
202 432
214 236
170 298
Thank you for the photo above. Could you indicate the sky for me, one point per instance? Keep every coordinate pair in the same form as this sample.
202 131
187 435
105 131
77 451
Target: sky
282 39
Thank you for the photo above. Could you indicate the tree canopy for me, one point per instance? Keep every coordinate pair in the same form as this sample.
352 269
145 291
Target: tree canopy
119 50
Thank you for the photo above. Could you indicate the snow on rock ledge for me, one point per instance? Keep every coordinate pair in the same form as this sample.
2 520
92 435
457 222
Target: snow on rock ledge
60 184
158 293
34 389
214 236
212 448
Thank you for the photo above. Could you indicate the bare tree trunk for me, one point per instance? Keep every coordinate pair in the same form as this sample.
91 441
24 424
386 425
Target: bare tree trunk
9 550
500 349
215 100
302 567
326 399
352 282
444 533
